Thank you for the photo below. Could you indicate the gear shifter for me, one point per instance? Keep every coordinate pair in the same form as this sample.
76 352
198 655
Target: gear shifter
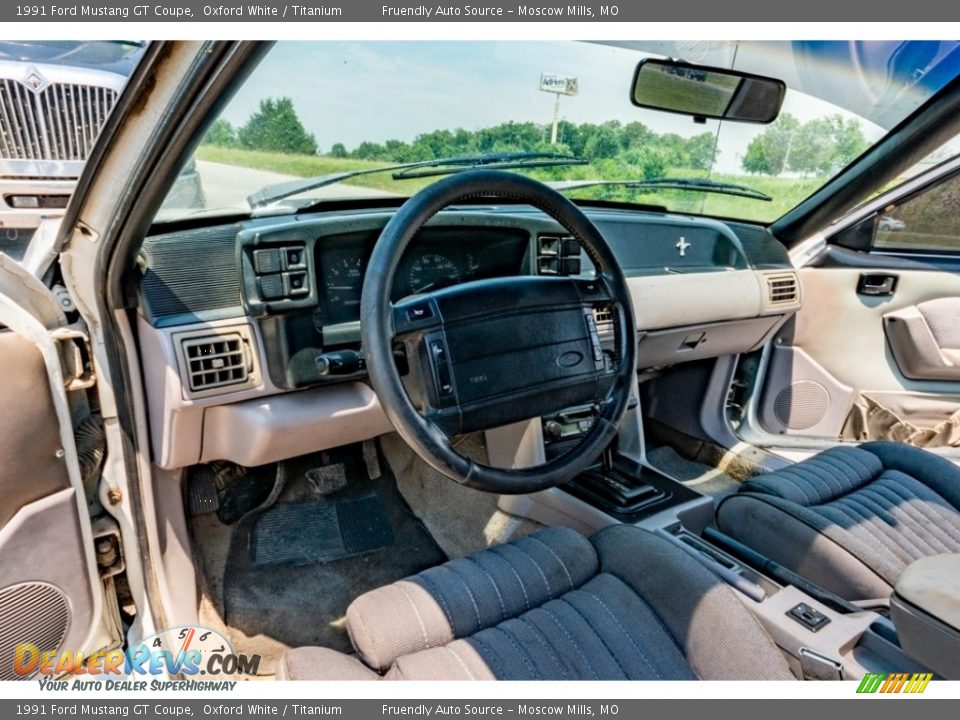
618 491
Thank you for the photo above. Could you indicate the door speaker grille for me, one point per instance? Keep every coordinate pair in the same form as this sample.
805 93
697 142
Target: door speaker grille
34 613
801 405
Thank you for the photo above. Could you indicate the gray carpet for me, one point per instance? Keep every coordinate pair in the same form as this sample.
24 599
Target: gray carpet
461 520
702 478
301 600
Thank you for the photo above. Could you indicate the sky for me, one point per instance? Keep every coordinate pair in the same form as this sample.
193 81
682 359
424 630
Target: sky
375 91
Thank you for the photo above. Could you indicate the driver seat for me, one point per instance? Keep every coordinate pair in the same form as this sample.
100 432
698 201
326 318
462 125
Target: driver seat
623 605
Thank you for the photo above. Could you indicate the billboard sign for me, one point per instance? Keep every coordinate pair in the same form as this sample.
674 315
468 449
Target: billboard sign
560 84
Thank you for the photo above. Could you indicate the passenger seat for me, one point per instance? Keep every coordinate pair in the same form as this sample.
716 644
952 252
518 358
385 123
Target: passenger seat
850 519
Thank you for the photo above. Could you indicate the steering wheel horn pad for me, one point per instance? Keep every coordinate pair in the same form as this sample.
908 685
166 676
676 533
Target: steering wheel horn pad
491 352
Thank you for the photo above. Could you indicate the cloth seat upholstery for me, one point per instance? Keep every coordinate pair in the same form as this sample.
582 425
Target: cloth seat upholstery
624 604
850 518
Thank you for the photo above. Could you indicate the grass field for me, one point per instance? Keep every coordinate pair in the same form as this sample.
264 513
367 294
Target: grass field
308 166
786 192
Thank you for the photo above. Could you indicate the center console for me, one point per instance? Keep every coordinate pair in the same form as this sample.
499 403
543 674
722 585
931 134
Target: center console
925 609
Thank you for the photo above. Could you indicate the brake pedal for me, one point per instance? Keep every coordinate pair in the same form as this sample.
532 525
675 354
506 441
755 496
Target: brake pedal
327 479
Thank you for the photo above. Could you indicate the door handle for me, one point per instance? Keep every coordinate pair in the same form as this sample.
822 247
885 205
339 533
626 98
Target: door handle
877 285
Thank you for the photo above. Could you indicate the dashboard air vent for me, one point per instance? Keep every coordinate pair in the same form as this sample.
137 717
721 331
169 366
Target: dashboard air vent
558 255
216 361
783 289
603 317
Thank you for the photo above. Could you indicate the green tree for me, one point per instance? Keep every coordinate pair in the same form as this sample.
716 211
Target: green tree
437 144
649 161
369 151
338 150
767 153
221 133
398 151
702 151
275 127
604 143
813 148
850 141
509 137
636 134
674 149
572 135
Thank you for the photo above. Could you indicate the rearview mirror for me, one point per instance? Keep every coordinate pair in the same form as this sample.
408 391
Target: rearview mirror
706 92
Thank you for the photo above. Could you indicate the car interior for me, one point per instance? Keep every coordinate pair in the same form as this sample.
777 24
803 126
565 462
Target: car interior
488 432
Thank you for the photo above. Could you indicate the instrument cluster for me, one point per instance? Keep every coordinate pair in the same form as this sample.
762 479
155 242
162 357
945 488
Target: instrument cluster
437 258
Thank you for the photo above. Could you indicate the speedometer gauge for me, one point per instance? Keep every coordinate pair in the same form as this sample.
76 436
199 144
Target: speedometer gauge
432 271
343 278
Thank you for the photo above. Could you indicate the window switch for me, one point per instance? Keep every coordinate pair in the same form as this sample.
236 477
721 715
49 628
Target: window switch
812 618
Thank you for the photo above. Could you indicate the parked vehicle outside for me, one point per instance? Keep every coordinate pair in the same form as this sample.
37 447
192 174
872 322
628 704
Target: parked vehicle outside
55 97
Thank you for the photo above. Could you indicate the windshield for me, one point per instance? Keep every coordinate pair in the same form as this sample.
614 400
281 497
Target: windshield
324 108
71 52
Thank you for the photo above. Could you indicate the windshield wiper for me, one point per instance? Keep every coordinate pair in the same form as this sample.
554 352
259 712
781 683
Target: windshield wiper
281 190
497 161
420 169
665 183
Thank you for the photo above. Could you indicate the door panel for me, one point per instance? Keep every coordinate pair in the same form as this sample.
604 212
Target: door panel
29 437
50 595
925 339
832 372
45 593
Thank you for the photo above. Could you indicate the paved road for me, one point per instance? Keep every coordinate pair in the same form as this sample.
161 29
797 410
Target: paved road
226 186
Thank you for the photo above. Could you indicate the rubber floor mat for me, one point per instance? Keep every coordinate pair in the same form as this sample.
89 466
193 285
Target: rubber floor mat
292 569
304 533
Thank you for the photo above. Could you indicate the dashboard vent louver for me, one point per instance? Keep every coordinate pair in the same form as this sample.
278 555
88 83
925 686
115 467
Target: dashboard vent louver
603 317
216 361
783 289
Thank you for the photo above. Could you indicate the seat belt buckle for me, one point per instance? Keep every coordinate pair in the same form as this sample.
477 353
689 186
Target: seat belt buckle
816 666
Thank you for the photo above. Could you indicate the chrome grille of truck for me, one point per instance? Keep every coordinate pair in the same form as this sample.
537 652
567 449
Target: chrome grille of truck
59 123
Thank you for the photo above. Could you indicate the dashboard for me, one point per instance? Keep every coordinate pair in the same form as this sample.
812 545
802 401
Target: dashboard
250 324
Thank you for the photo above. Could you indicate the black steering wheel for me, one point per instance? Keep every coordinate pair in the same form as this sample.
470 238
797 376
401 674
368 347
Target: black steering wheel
491 352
